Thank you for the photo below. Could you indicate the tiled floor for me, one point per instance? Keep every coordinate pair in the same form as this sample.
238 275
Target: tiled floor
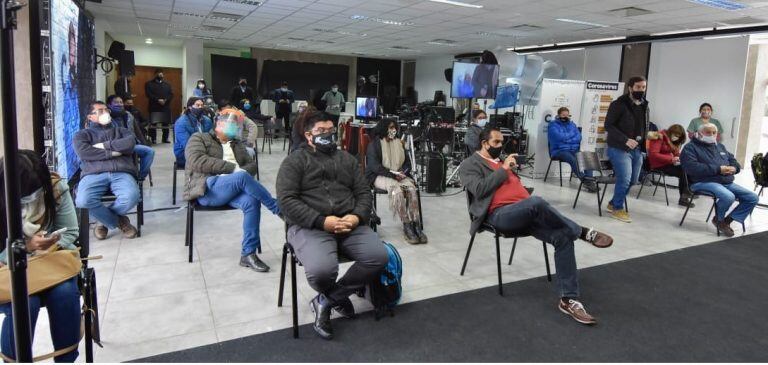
152 301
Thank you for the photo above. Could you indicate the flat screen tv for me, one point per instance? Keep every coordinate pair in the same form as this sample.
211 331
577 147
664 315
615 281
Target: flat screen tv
366 108
474 80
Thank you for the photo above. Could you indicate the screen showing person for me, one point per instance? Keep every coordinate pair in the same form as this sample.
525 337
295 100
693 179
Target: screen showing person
366 107
473 80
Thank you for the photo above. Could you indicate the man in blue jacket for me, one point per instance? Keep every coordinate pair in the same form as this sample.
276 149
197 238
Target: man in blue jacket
106 164
192 121
564 141
711 168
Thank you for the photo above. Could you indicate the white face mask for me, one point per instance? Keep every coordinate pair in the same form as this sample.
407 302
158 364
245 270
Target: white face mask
200 86
674 138
708 139
334 89
392 133
482 122
105 119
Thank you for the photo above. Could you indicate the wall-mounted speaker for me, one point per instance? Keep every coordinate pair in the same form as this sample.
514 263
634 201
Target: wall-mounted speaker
114 50
127 65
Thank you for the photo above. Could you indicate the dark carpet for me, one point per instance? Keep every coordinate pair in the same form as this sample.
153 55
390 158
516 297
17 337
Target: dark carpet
699 304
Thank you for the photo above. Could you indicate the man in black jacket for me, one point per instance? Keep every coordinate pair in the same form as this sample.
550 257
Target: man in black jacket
241 92
327 202
283 98
160 95
626 125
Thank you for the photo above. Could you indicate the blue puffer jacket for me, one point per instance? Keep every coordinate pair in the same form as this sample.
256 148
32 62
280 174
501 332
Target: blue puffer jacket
702 161
563 136
96 160
184 127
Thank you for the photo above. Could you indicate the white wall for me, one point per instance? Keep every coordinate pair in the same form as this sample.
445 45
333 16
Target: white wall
430 77
193 66
684 74
101 27
156 55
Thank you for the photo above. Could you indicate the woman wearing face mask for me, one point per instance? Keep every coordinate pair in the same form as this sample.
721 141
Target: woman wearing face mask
202 90
192 121
664 149
705 117
46 207
387 167
472 138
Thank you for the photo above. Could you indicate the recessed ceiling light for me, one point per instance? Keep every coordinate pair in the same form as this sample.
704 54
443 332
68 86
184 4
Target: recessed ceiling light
148 41
188 14
457 3
720 4
245 2
565 20
380 20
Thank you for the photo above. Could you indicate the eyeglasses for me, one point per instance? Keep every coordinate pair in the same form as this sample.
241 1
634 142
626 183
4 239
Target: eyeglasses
324 130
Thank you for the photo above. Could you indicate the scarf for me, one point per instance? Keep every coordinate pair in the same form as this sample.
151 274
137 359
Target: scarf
392 154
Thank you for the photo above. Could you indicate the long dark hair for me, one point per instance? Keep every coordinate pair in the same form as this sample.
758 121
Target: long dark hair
298 124
34 174
382 127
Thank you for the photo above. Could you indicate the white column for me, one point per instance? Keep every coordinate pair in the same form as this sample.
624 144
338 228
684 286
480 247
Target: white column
193 67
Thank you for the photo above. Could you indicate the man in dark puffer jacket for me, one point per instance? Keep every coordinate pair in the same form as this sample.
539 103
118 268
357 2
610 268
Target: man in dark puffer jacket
327 202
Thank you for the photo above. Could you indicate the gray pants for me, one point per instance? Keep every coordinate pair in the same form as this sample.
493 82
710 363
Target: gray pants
317 251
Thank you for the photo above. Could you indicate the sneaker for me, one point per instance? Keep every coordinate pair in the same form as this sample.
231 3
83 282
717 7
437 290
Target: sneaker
124 223
609 208
621 215
598 239
576 310
723 227
100 231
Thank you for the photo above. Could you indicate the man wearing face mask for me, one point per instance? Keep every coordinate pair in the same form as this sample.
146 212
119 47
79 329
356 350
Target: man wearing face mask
220 172
192 121
501 200
160 95
106 163
124 119
334 102
564 140
241 91
626 125
327 203
138 117
283 98
479 121
711 168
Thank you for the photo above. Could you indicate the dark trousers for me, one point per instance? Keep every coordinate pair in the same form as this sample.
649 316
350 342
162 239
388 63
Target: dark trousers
536 217
283 112
677 172
317 251
166 121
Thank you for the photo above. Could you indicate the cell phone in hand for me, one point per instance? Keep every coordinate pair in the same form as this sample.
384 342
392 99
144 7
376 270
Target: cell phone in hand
56 233
521 159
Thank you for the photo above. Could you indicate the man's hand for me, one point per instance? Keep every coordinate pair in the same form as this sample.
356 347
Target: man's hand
331 224
161 101
99 146
675 160
349 222
509 162
40 242
727 170
632 144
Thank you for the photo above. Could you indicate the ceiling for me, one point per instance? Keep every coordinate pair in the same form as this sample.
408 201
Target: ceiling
407 28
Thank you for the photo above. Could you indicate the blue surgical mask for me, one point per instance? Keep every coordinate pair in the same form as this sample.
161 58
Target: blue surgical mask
283 89
482 122
232 130
247 106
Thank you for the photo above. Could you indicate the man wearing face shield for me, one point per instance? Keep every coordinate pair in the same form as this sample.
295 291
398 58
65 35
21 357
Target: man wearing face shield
106 163
327 203
711 168
220 172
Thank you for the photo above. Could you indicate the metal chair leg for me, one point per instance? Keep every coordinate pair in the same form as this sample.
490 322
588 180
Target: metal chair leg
88 319
687 207
578 192
512 254
466 258
546 174
714 202
151 184
173 192
546 261
191 213
656 183
282 278
421 216
601 199
642 184
560 164
664 181
294 299
498 265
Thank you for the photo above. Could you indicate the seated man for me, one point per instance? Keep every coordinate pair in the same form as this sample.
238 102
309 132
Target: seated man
124 119
192 121
564 141
471 139
107 164
220 172
327 203
711 168
138 117
501 200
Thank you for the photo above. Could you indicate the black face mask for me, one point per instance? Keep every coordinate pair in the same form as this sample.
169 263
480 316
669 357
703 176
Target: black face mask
196 112
325 143
564 120
129 108
638 95
116 111
159 78
243 83
495 152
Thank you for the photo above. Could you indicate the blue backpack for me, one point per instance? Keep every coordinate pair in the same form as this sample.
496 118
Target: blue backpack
385 293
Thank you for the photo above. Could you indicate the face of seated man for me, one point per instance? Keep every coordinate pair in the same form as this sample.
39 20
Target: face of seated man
322 127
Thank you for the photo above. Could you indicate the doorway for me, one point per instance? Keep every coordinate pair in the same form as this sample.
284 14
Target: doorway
147 73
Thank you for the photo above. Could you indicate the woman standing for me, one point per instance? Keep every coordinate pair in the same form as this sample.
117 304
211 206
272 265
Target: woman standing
705 117
387 167
664 155
46 206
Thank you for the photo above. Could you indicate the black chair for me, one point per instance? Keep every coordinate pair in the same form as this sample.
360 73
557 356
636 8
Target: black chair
176 167
270 134
376 192
486 227
192 206
698 193
110 197
87 284
589 161
661 177
288 249
560 164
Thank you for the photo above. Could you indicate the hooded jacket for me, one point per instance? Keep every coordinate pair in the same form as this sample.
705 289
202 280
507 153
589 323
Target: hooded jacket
205 158
96 160
702 161
185 127
563 136
660 153
620 123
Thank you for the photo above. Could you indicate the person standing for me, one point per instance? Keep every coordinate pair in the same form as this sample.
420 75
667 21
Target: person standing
334 102
705 117
160 95
626 125
283 98
202 91
241 92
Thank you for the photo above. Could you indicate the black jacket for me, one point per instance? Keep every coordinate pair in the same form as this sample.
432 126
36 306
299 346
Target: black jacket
238 95
120 88
620 123
373 166
96 160
158 90
313 185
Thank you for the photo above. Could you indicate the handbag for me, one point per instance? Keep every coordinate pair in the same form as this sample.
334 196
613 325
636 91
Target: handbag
44 271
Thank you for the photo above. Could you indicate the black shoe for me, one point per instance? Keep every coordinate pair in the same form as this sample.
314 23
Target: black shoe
686 202
321 307
590 186
345 308
410 235
422 237
253 262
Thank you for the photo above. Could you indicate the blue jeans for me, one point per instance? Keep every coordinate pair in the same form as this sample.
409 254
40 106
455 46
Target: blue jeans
92 187
626 167
536 217
726 195
240 190
569 157
146 155
63 304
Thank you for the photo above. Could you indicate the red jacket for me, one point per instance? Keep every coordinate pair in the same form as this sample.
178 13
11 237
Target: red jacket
660 153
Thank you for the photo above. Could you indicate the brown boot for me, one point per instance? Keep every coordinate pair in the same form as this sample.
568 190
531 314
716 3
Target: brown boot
124 223
100 231
723 227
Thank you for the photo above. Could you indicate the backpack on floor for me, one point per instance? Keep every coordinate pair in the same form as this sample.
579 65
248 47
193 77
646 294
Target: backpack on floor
759 169
385 292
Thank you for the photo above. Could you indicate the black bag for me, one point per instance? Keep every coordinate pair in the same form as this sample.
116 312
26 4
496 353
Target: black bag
760 169
436 171
385 291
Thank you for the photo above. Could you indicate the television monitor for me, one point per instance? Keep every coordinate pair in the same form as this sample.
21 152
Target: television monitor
366 108
506 96
442 114
474 80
